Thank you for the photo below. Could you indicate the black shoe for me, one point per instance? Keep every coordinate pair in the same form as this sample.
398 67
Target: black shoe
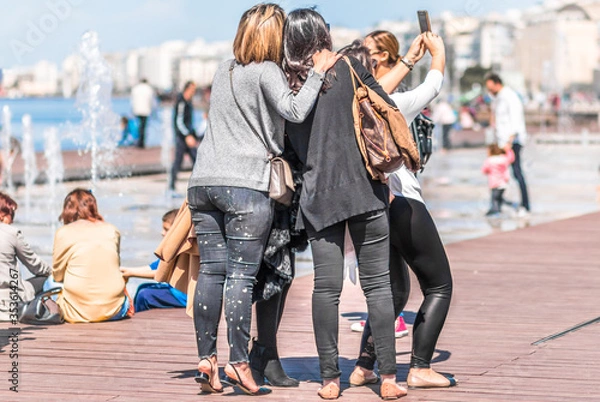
265 363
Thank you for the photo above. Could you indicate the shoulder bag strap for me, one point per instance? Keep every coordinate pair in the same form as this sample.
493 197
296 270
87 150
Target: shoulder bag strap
353 74
242 111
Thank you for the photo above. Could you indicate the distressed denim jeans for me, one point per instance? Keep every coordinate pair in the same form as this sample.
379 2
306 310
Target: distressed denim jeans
232 225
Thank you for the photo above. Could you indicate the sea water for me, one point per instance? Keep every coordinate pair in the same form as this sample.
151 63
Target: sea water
61 112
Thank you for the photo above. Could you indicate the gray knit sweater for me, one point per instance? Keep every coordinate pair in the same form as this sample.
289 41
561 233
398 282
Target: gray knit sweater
230 153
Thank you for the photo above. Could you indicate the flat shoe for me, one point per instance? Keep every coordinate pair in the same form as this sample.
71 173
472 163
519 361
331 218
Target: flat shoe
330 391
436 380
390 392
357 379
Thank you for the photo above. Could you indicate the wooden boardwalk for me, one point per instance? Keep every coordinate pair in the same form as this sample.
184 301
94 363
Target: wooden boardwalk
511 289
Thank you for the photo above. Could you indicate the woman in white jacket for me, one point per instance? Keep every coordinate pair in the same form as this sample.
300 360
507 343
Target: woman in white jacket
413 235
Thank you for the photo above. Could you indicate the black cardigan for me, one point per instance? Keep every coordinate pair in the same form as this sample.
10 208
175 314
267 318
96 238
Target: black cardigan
336 184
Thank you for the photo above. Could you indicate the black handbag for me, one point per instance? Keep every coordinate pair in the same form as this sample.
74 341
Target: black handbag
281 181
422 130
42 310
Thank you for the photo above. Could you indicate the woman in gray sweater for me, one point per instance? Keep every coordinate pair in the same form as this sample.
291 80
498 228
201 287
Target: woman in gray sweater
228 191
13 248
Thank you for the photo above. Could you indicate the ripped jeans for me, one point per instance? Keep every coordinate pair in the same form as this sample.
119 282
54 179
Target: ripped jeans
232 225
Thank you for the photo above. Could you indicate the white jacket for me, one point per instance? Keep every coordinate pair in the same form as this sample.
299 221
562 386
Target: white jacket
142 99
510 117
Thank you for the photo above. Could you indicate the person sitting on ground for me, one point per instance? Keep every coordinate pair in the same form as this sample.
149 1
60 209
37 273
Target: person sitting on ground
86 259
13 248
496 168
130 132
155 295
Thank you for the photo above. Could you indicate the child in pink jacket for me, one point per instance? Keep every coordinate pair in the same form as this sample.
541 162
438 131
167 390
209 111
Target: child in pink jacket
496 168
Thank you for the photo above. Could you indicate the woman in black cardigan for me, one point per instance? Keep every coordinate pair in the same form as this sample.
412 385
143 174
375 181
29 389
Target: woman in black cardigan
338 191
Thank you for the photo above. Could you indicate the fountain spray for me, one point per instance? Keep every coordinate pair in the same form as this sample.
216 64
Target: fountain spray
94 102
8 154
28 155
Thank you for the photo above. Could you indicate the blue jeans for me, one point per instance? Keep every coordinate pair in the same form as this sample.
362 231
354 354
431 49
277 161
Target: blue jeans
155 295
232 225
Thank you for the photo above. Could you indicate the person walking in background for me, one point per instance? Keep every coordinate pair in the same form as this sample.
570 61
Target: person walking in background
186 141
496 169
508 122
142 101
13 249
228 190
444 115
86 260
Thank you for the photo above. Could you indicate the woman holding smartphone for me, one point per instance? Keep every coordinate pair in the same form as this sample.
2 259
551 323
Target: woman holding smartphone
413 235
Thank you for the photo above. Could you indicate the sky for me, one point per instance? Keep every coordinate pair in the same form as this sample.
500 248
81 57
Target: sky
35 30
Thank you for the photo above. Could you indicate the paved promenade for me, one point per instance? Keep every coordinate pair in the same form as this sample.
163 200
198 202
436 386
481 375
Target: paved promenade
516 282
511 289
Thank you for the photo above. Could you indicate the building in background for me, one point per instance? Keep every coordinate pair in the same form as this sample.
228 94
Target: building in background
558 48
552 47
160 65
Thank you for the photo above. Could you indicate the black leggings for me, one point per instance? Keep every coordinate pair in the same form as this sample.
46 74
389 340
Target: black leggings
415 239
268 317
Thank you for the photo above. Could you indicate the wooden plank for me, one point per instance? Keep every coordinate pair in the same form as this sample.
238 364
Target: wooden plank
510 290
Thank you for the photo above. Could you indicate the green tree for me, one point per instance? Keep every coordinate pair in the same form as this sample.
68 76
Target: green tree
471 76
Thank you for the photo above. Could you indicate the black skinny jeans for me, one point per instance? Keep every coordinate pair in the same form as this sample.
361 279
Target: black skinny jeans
232 225
415 239
370 235
498 200
181 148
518 174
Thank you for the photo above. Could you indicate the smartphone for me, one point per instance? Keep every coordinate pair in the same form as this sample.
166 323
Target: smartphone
424 21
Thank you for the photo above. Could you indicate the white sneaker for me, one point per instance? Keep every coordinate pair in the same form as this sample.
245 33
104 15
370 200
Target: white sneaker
358 326
523 213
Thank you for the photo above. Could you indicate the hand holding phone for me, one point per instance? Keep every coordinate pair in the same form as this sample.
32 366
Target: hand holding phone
424 22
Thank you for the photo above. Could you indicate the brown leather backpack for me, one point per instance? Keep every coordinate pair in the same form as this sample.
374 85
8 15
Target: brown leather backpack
383 137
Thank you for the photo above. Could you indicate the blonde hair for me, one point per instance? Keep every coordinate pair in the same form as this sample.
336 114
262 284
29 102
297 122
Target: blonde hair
260 35
386 42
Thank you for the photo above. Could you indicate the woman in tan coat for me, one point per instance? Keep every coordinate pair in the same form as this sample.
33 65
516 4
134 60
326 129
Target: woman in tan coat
86 259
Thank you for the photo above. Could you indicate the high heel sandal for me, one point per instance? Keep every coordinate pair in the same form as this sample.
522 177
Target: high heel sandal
330 391
203 379
238 381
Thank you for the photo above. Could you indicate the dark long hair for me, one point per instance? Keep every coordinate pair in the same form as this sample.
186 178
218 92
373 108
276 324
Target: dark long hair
360 52
305 32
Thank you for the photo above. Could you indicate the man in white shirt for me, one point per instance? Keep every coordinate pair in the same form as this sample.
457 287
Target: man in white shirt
444 115
142 101
508 121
